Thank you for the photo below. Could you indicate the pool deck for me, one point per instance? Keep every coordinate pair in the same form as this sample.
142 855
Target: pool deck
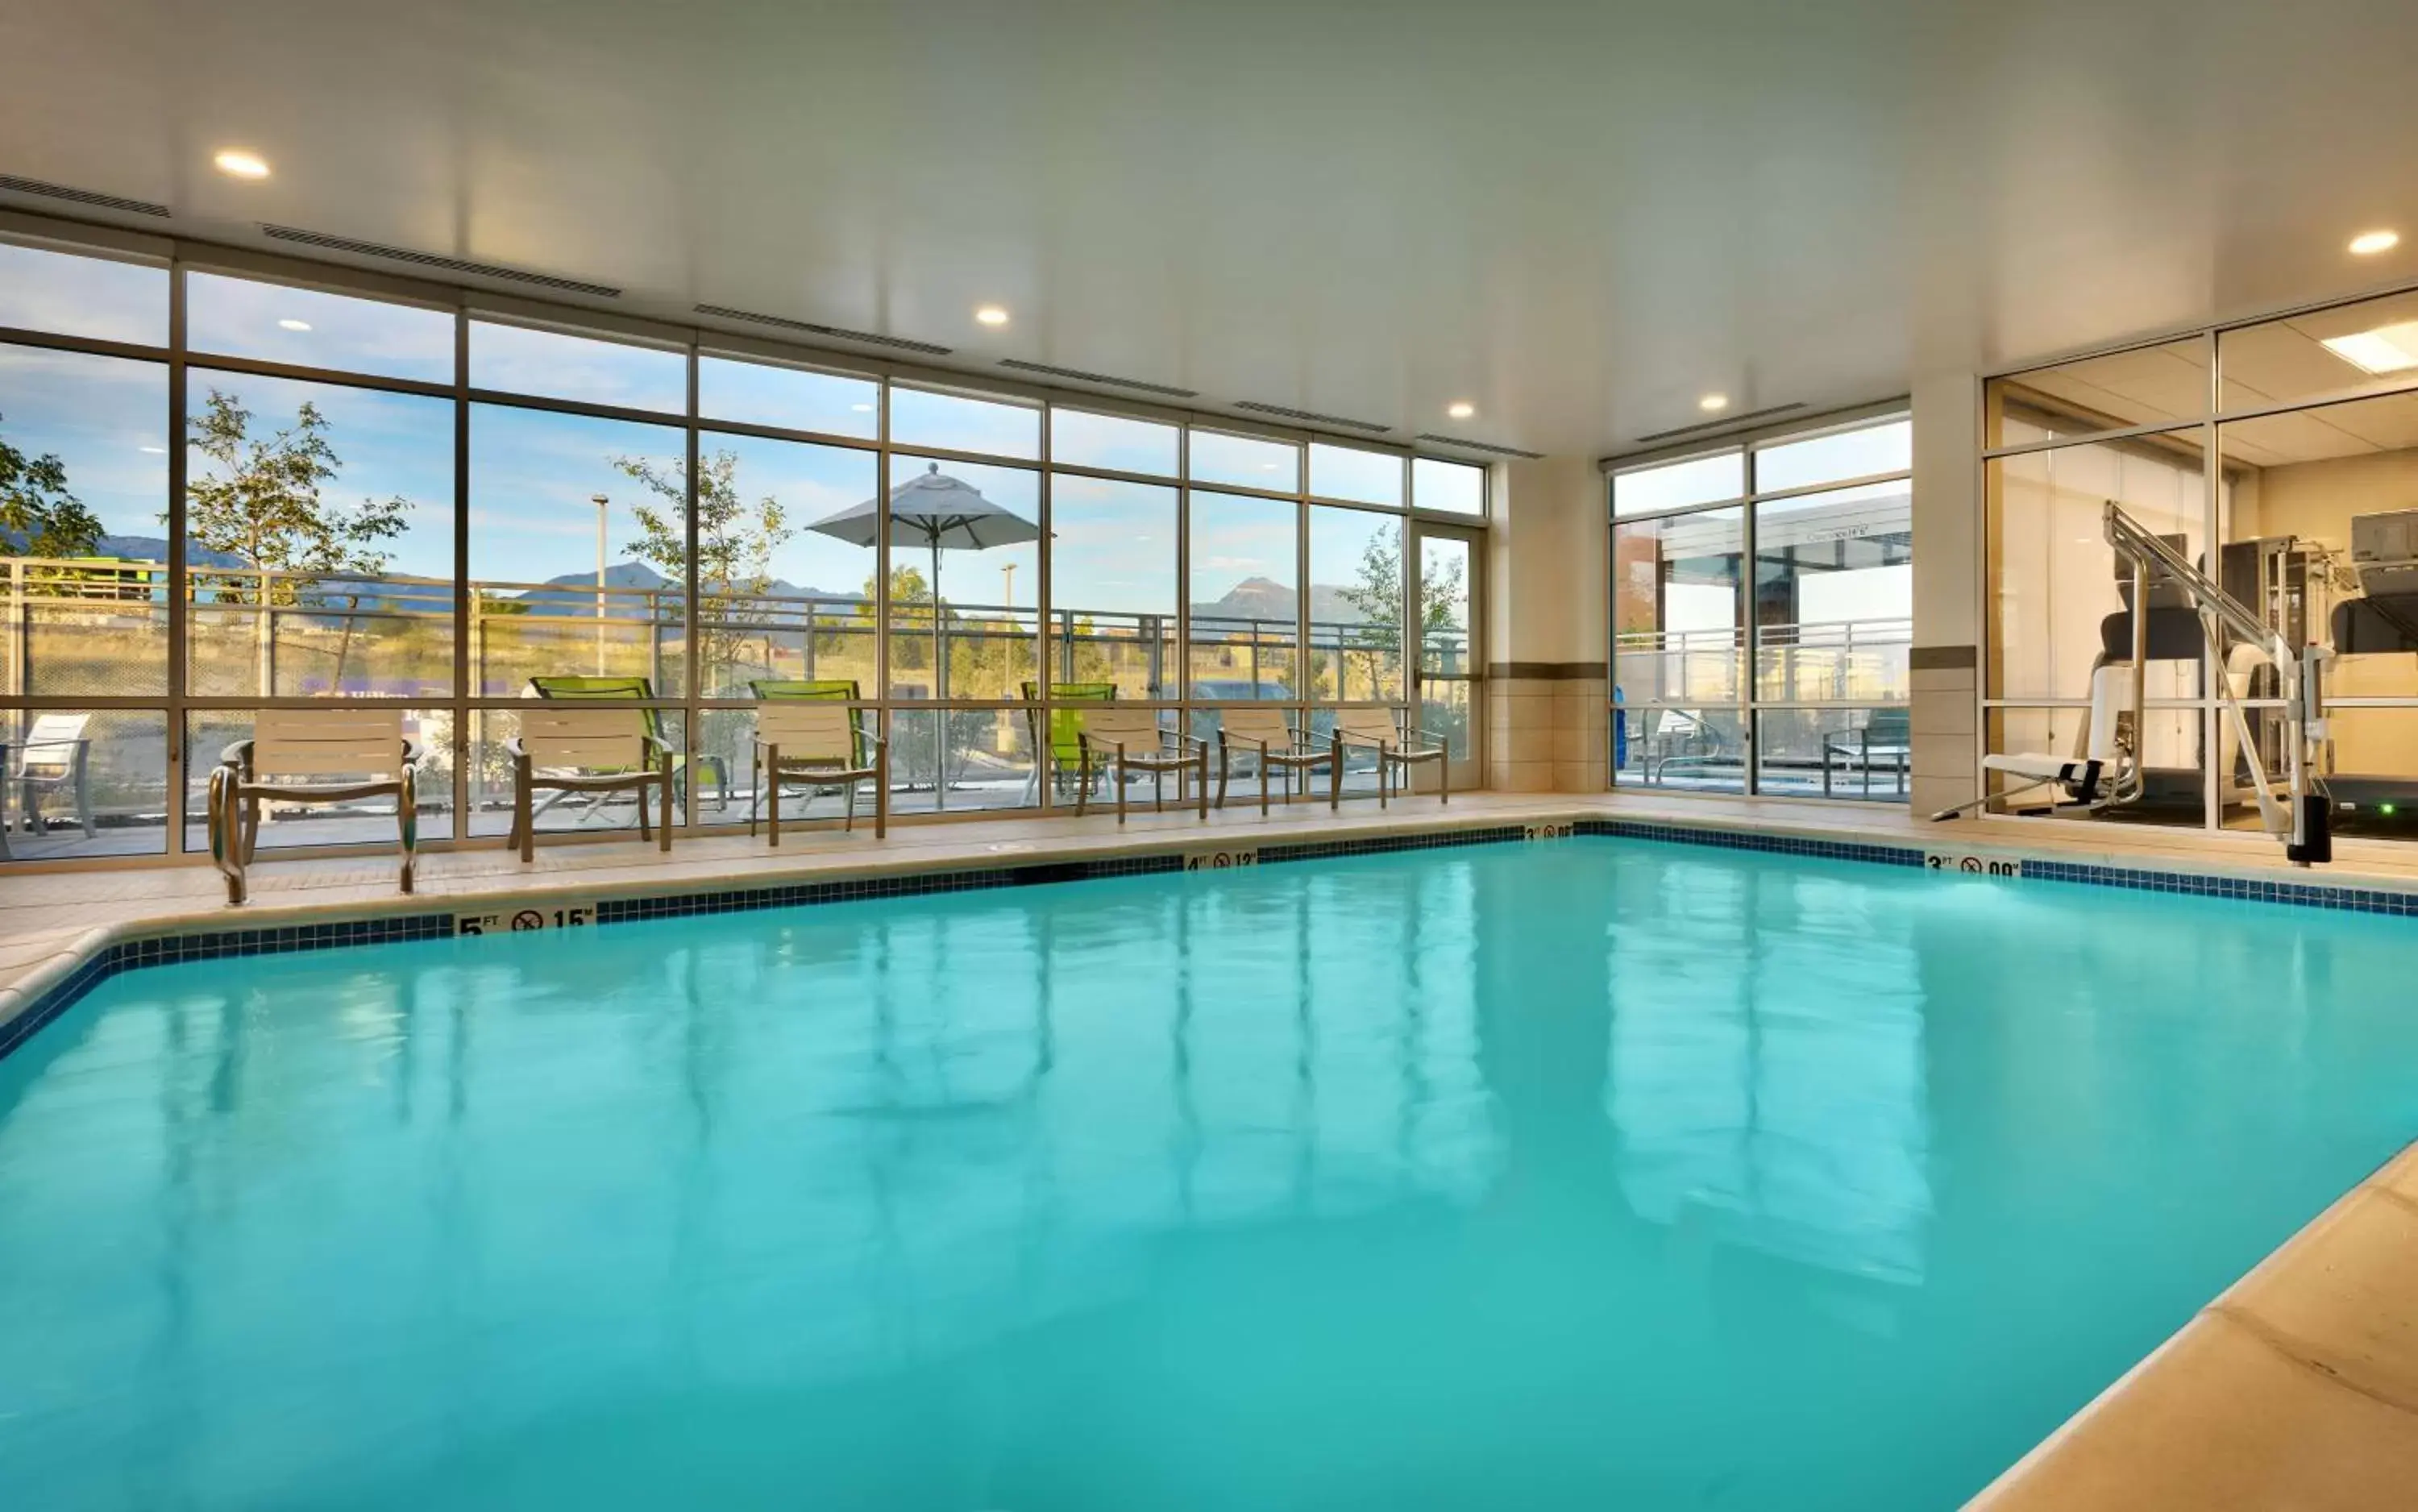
2297 1388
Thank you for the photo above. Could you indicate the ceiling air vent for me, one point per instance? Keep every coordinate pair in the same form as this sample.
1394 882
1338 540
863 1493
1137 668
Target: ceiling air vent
834 333
1312 417
81 196
1166 391
1487 447
450 265
1725 423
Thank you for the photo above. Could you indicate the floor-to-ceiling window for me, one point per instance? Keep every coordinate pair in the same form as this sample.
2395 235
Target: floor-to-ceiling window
236 484
1762 614
2281 457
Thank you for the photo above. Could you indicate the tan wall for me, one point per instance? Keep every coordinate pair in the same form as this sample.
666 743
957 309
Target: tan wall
1548 594
1947 607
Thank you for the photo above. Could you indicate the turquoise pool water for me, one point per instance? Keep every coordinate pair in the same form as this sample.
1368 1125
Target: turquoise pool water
1590 1175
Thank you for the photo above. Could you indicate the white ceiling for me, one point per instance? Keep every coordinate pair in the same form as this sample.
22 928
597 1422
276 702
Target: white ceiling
1580 216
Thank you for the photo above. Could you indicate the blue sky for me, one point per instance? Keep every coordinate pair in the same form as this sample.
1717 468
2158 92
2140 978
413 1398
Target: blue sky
534 473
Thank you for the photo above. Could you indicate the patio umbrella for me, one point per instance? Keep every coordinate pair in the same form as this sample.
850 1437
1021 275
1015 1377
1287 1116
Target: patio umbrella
943 513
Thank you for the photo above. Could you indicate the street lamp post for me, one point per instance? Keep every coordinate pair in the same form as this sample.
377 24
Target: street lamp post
601 503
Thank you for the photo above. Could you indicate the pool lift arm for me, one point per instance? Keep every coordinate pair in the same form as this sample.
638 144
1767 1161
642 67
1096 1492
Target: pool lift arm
2300 818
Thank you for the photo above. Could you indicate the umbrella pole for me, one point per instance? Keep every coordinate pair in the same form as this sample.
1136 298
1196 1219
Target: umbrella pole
939 688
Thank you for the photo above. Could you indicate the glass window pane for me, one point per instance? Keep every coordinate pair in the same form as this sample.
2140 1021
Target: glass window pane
1244 461
921 417
1112 585
1355 606
1698 749
2143 386
1453 486
1677 484
1244 597
523 359
1834 595
963 535
1116 442
796 399
84 482
577 545
2370 344
1863 452
2372 774
318 539
1678 614
963 760
357 823
1834 753
2056 602
308 328
97 296
1346 472
785 564
86 783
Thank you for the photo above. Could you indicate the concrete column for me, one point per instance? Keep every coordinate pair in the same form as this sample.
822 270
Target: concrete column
1948 608
1549 596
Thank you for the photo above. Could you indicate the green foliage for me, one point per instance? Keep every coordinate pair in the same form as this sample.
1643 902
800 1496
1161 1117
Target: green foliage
261 500
736 541
37 509
1375 597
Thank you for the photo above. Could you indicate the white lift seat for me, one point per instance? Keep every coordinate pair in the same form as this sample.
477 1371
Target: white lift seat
2082 774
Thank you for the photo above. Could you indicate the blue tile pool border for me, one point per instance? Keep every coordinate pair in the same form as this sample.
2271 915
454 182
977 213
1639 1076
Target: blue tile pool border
165 949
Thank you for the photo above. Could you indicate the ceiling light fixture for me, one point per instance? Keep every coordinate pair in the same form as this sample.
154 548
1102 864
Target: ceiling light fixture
237 163
289 323
991 314
2385 350
1713 404
1462 409
2368 243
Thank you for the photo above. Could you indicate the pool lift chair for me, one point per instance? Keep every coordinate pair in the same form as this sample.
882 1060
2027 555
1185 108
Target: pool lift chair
2105 772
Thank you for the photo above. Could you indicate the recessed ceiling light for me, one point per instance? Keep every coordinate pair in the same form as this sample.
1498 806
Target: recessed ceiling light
2368 243
289 323
237 163
991 314
1713 404
2385 350
1460 409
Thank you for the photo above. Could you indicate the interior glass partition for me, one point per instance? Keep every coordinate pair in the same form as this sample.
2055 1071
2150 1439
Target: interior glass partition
384 492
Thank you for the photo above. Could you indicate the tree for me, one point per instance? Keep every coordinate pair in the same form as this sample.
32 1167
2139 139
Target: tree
262 504
1376 598
38 515
735 544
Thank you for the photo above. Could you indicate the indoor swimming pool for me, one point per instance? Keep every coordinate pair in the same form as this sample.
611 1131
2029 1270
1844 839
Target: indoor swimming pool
1586 1173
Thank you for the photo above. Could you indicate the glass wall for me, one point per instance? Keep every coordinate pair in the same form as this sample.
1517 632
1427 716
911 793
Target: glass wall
391 497
2281 457
1790 679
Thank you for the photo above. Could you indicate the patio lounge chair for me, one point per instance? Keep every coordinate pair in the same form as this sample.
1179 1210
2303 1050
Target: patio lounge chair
364 743
1061 753
1127 742
1267 737
582 685
54 757
1397 748
1883 744
809 732
565 748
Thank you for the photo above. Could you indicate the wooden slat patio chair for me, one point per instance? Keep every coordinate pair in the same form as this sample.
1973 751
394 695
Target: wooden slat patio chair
1267 737
1127 741
809 732
566 747
596 685
1399 748
365 744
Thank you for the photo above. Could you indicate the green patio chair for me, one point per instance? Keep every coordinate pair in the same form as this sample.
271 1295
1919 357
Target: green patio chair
1062 751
